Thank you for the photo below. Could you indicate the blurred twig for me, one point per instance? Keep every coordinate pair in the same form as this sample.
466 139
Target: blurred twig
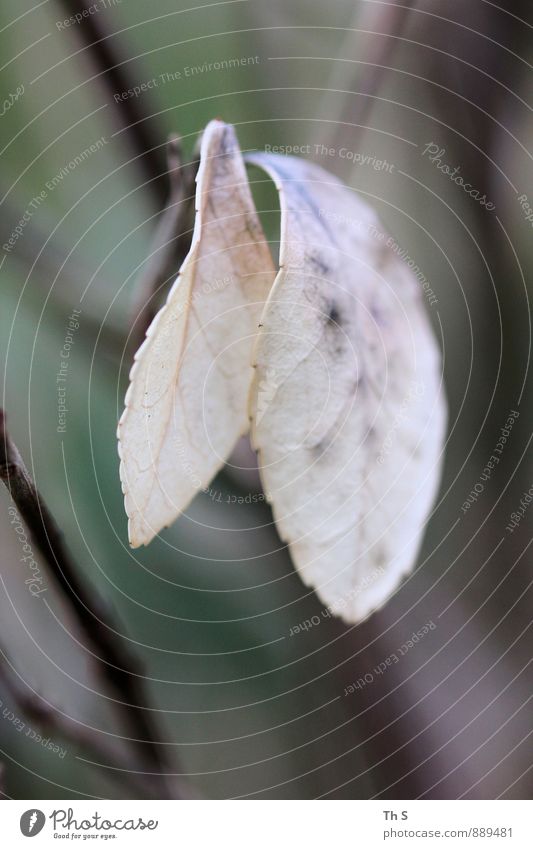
171 240
381 23
103 52
170 244
76 733
115 663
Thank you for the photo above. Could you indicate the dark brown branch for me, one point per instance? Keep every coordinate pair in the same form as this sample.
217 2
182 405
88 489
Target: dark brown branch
107 58
171 240
75 733
115 662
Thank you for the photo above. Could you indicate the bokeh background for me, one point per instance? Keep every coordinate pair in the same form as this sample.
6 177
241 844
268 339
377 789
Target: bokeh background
245 709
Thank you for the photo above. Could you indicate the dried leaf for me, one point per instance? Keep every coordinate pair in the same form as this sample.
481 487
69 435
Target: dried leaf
347 405
186 403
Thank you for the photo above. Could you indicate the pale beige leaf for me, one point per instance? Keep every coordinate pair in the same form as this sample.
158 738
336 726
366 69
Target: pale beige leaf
347 398
186 403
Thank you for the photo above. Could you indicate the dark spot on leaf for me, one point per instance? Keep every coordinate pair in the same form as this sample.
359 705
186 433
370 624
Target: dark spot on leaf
318 265
319 449
333 315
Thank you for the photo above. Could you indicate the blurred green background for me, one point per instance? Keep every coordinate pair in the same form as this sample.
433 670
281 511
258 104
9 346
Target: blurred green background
245 709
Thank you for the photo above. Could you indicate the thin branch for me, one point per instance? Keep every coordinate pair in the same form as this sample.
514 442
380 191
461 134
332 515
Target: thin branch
386 21
75 733
107 58
170 244
171 240
116 664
